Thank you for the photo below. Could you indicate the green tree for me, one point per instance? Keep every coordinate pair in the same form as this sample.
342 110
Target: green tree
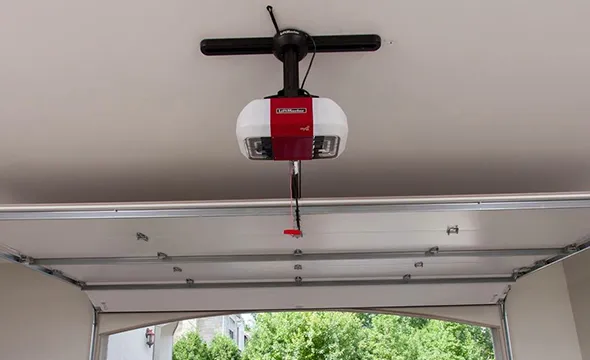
306 336
366 318
223 348
392 338
406 338
352 336
190 347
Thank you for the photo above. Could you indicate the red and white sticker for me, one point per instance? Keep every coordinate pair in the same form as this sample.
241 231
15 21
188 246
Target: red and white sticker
291 128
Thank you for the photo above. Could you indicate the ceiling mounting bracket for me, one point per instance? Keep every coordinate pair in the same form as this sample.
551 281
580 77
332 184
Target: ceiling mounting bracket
265 45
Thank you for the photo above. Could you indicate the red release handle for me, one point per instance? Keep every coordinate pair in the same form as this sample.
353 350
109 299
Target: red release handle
292 232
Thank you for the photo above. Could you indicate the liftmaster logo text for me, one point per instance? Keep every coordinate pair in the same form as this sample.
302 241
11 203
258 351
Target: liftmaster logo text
291 110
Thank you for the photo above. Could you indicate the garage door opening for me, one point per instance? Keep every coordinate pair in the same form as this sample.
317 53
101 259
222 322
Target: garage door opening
334 335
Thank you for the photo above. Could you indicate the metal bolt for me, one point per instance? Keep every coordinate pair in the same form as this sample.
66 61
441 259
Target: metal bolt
540 263
162 256
419 264
176 269
57 272
142 236
190 281
452 229
570 248
298 280
104 306
298 267
407 277
515 274
297 252
27 260
432 251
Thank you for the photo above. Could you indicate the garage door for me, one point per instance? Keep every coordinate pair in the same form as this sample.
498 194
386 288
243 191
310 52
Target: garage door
355 252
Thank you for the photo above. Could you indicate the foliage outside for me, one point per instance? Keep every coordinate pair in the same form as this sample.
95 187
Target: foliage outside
345 336
191 347
224 348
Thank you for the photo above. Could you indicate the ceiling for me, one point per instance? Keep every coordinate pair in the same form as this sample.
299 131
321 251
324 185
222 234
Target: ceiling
113 101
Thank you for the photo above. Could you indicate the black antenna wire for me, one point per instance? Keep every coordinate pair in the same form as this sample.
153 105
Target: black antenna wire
273 19
310 62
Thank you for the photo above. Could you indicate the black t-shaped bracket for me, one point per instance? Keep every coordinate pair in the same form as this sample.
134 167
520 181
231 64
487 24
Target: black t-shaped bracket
265 45
291 46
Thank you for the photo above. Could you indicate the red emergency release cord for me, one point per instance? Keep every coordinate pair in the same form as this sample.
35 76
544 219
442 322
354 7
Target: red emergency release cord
296 230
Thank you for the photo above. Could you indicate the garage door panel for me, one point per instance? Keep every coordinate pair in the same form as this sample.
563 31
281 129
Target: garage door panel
377 252
251 234
251 299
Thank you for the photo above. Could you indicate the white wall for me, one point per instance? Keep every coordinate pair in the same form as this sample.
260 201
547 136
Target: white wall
41 317
577 270
129 345
540 317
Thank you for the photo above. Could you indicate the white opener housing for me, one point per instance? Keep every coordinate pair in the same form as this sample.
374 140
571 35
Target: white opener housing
330 129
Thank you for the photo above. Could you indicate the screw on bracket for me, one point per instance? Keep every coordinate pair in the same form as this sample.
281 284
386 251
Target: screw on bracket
407 277
57 272
297 252
540 263
142 237
432 251
298 267
570 249
26 260
452 229
419 264
104 306
162 256
176 269
190 281
517 273
298 280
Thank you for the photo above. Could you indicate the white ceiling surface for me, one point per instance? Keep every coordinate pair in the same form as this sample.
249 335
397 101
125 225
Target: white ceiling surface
112 100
